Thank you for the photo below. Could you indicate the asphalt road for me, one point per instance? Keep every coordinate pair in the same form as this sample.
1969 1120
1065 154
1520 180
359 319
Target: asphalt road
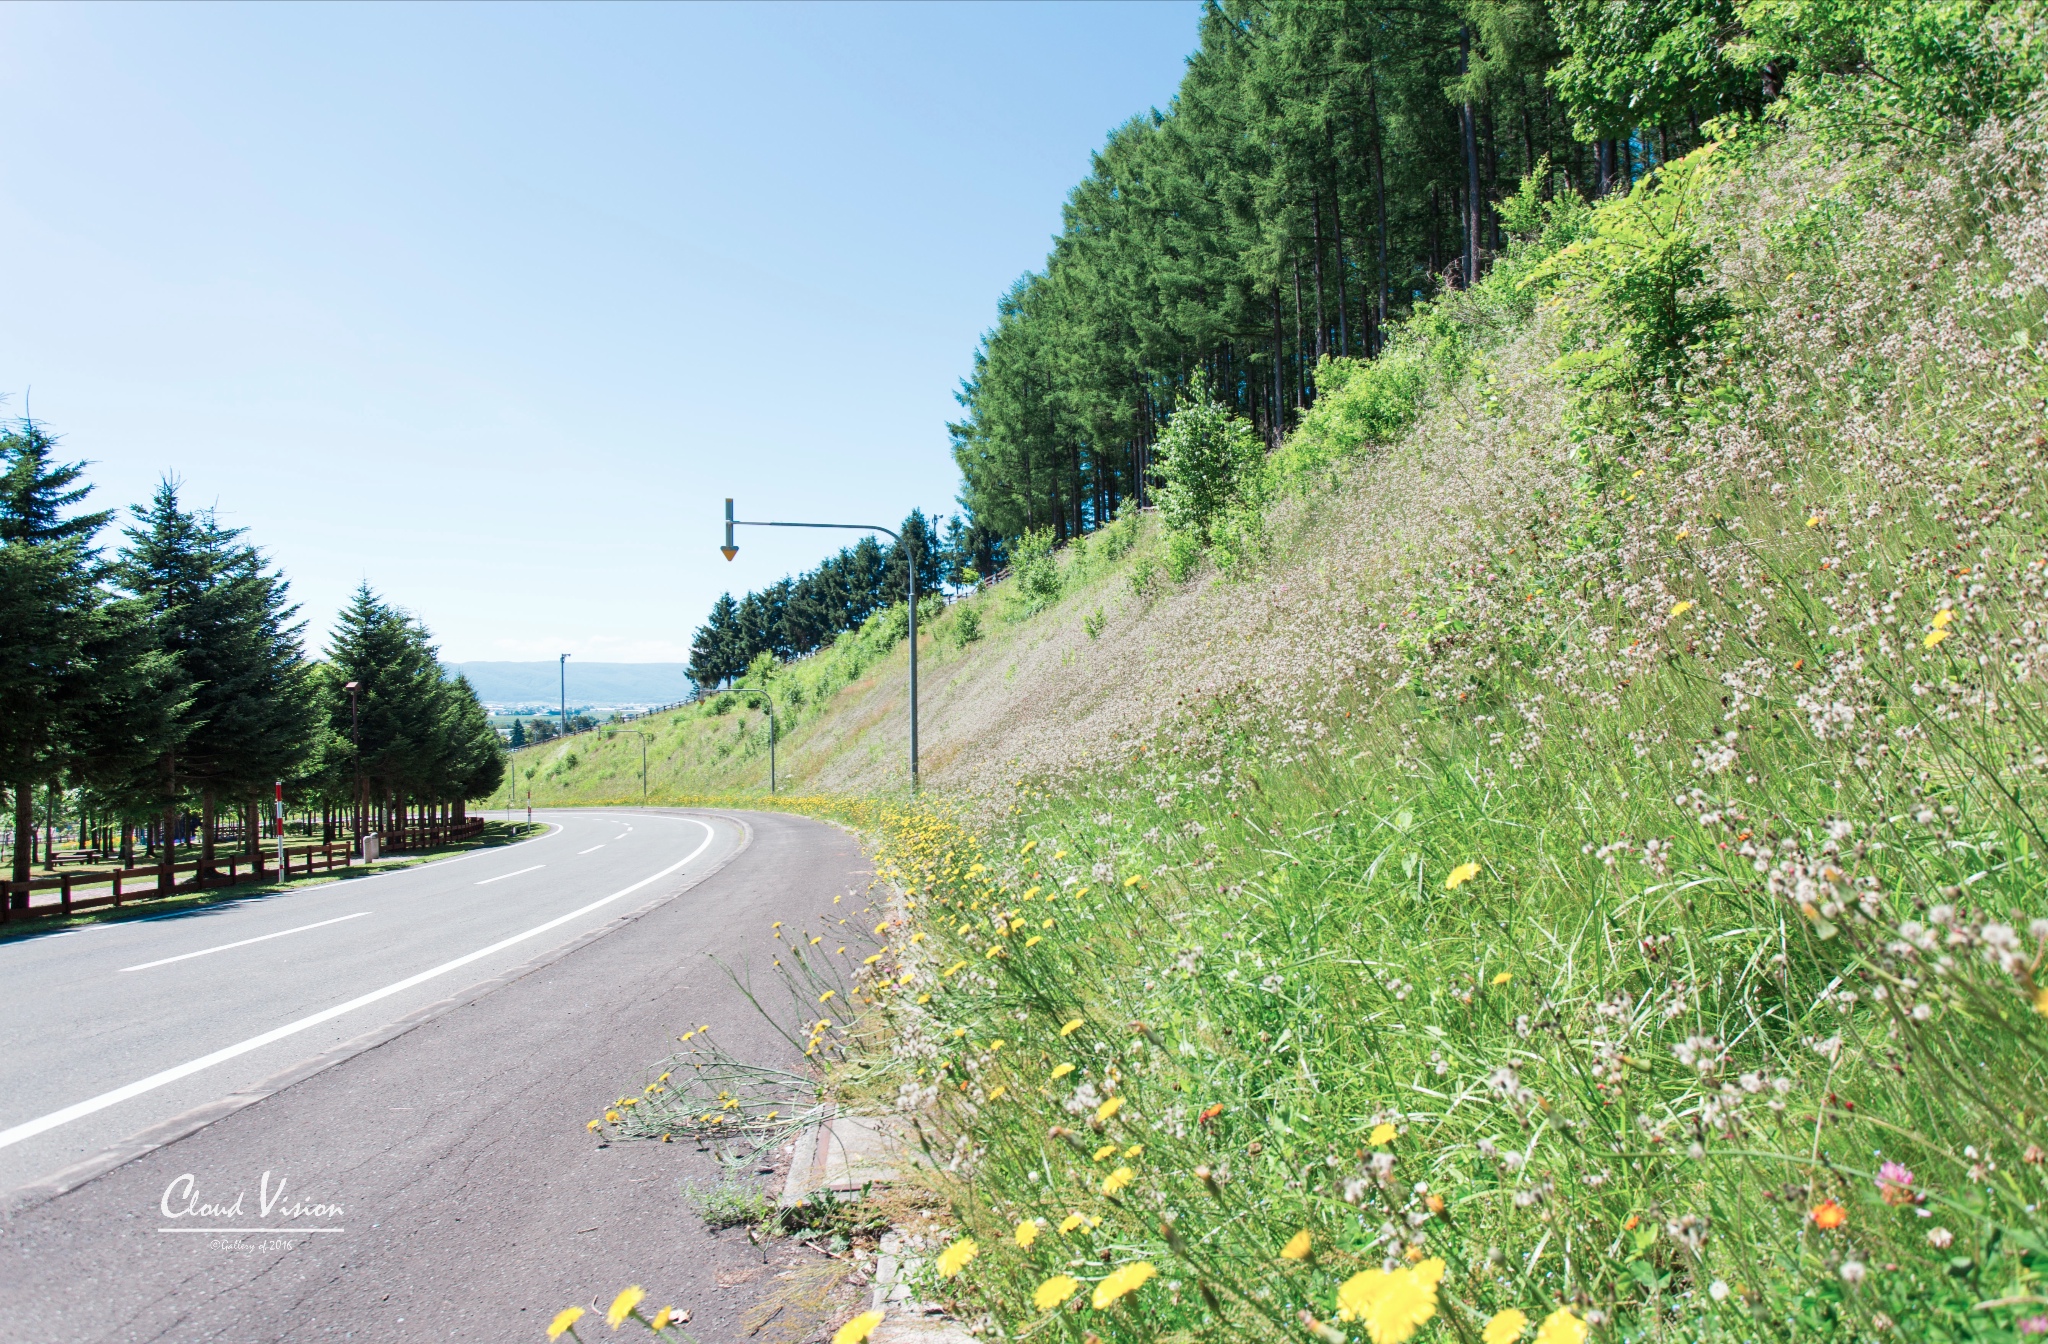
416 1052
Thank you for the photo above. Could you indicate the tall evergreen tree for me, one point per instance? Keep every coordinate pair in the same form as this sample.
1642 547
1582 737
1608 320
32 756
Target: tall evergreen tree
228 620
89 699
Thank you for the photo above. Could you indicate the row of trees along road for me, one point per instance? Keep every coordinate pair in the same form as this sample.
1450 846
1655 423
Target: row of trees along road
164 689
1325 164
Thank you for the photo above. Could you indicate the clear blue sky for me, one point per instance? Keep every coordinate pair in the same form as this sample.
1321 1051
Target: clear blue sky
492 307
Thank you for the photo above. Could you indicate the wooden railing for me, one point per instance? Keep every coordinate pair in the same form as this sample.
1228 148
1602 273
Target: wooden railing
430 835
16 898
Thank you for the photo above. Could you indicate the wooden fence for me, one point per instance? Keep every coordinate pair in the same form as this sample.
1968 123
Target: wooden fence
229 868
16 898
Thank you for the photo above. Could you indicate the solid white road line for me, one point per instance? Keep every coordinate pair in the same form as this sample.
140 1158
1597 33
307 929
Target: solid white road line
592 850
28 1129
207 952
502 876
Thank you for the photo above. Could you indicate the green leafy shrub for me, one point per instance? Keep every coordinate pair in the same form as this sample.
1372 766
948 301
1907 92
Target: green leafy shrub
1035 578
1209 460
966 626
1635 292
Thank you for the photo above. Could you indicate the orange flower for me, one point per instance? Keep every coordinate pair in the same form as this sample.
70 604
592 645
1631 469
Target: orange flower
1828 1214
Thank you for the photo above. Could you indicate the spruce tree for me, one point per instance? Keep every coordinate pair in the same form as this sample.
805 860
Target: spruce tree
54 613
227 618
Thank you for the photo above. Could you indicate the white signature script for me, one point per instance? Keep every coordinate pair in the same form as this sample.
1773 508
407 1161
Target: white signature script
181 1200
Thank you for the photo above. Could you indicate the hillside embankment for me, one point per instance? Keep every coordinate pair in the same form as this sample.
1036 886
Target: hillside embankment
1561 851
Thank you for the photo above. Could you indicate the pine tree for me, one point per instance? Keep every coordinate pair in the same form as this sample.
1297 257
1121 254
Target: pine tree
227 619
55 616
718 652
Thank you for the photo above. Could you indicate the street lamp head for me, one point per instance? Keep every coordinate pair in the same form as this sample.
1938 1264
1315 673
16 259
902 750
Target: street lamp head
350 685
728 550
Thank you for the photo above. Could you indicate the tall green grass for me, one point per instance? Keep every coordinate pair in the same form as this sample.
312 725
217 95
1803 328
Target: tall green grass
1636 909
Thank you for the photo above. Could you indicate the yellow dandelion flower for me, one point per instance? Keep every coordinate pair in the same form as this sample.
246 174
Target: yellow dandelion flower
924 998
872 960
879 927
819 939
1135 1150
1117 1180
1505 1328
1561 1327
1122 1282
1297 1246
1106 1150
1065 1069
611 1117
1943 617
662 1318
1503 977
1071 1027
1382 1135
1029 845
953 970
622 1306
1680 609
917 937
1133 880
828 994
1070 1222
1056 1291
997 1093
1109 1108
857 1329
1027 1232
955 1257
1034 940
593 1124
1460 875
1048 924
1813 521
564 1318
997 1044
1934 637
1393 1304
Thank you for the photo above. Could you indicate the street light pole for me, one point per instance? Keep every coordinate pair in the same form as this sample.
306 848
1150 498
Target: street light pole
729 550
565 695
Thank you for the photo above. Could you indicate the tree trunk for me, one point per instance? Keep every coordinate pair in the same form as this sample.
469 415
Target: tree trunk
1337 222
1379 187
1273 415
24 839
1468 135
1300 372
1322 325
207 825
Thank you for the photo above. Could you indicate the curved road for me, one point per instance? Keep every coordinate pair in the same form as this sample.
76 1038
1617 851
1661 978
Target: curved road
417 1051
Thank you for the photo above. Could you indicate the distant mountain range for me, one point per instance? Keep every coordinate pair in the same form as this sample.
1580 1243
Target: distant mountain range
607 684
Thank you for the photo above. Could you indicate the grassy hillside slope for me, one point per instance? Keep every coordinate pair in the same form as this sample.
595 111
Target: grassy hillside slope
1567 854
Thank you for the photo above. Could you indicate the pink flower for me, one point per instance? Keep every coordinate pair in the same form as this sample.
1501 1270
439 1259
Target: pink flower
1894 1184
2034 1325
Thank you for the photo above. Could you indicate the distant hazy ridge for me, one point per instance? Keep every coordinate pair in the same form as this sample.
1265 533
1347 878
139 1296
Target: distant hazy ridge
589 683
